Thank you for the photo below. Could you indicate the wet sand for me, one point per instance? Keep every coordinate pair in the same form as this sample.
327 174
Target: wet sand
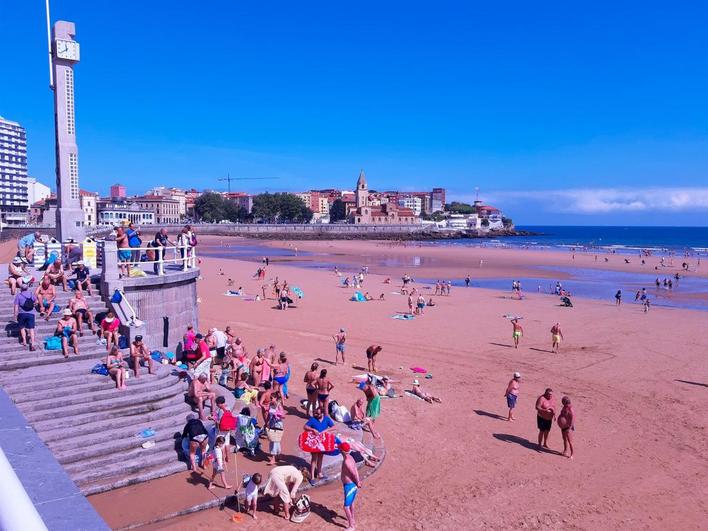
638 383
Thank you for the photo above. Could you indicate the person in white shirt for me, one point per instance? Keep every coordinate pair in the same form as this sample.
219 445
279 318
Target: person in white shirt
218 463
252 493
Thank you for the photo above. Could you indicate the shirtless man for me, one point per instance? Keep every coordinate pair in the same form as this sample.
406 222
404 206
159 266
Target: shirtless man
545 413
124 252
200 391
556 336
517 332
371 354
566 422
410 304
55 272
311 388
339 341
45 294
139 352
80 309
350 483
264 401
512 394
66 330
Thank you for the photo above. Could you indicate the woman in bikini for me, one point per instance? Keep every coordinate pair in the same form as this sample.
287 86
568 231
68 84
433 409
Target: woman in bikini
257 365
324 386
116 367
310 380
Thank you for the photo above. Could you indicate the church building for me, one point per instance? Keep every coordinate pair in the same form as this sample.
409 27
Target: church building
384 214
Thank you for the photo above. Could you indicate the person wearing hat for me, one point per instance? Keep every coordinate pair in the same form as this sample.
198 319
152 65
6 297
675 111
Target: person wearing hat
25 246
139 352
339 341
80 309
83 277
66 330
420 393
350 482
512 394
24 315
109 329
16 274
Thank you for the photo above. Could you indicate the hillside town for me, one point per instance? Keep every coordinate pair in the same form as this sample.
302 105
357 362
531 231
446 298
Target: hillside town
25 200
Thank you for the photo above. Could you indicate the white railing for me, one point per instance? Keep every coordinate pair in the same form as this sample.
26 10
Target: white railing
185 256
16 508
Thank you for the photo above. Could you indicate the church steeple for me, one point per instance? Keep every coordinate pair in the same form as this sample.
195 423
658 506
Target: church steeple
362 191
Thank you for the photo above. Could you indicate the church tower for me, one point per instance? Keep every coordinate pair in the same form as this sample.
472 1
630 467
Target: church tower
362 191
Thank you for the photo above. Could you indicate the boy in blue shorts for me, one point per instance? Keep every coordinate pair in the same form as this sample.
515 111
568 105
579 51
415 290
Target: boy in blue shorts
350 482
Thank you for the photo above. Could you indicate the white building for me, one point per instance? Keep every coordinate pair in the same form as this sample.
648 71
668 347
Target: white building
122 213
172 193
412 202
36 191
463 222
13 173
89 206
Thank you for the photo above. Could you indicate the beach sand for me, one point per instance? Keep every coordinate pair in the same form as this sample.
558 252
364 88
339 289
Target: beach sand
638 384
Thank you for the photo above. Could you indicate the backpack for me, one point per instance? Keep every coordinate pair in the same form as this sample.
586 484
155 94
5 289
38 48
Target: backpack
227 422
28 304
123 342
332 408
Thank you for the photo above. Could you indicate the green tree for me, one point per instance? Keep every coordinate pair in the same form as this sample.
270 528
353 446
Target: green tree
280 207
210 207
338 211
235 213
507 222
460 208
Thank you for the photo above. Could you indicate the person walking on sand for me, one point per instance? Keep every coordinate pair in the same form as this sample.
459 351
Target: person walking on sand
618 297
512 394
467 281
556 337
517 332
339 341
566 422
350 483
545 413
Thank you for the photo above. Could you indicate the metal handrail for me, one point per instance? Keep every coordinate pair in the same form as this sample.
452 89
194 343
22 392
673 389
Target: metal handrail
187 256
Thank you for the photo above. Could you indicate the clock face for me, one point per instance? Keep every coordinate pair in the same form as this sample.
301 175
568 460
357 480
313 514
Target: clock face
67 50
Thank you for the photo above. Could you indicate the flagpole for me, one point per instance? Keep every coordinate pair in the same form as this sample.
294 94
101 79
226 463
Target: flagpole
49 46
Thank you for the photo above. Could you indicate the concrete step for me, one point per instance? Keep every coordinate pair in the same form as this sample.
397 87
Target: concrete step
50 398
100 458
86 345
42 359
68 450
41 373
135 419
84 472
116 407
11 346
125 479
41 326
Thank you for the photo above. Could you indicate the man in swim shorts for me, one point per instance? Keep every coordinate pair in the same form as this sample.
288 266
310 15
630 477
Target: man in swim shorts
545 413
518 331
512 394
556 336
339 341
350 483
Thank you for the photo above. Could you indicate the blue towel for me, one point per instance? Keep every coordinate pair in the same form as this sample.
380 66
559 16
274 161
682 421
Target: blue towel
403 316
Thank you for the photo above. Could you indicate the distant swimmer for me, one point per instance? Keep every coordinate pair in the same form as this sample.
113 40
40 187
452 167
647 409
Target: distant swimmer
556 336
618 297
517 332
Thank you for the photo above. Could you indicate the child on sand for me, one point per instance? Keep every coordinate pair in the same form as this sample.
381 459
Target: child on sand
252 485
218 464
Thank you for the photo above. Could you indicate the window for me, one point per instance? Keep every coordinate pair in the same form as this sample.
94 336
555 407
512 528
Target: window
69 81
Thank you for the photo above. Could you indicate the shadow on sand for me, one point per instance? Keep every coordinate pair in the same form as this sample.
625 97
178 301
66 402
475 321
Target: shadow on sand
502 345
488 414
691 383
523 442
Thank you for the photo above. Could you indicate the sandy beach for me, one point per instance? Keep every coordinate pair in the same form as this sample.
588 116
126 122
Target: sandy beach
637 382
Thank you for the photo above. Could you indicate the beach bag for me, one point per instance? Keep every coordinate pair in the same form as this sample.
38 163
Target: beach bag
227 422
123 342
301 510
117 297
332 408
52 343
100 368
274 434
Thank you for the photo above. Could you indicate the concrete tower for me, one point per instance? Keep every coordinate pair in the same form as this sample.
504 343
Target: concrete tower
362 191
65 54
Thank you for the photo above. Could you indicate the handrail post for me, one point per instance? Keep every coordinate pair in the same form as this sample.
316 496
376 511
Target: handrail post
185 256
160 260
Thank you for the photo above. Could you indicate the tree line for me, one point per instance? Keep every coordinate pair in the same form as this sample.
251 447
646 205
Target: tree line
267 208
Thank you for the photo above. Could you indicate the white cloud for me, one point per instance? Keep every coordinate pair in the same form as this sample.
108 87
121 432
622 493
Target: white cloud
606 200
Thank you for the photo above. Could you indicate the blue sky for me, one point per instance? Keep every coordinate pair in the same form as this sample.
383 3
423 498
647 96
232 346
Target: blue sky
560 112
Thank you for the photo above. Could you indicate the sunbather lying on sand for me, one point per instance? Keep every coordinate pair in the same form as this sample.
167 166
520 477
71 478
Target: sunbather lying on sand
419 392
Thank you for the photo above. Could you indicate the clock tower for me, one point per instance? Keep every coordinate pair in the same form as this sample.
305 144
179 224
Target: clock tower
64 55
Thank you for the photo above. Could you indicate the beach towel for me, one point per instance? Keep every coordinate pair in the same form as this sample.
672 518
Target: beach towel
297 291
403 316
232 293
358 297
419 370
511 316
413 396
